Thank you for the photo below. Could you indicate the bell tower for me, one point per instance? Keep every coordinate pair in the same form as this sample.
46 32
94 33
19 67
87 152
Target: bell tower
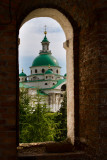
45 44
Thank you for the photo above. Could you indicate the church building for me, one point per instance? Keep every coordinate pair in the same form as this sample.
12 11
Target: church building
45 77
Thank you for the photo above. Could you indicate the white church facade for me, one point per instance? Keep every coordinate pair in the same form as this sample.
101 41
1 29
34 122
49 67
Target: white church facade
45 76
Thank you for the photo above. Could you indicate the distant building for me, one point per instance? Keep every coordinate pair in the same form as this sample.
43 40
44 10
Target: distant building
45 77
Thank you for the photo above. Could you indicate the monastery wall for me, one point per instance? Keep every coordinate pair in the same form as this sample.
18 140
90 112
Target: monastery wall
39 69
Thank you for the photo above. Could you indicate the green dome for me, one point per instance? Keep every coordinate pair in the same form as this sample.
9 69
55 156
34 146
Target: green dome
65 75
45 60
22 74
45 39
49 71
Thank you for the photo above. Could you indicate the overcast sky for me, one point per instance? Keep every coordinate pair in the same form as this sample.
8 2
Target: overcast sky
32 33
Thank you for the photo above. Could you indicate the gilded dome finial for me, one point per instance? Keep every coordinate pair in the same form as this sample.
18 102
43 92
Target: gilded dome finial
22 69
45 32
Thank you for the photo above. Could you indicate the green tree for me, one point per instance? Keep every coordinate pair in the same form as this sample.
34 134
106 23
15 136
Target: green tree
35 124
41 126
61 121
24 111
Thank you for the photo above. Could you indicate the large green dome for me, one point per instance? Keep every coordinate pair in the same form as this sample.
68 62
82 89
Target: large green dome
45 60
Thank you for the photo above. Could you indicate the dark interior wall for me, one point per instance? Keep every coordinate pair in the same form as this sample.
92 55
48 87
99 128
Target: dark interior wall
8 72
92 86
89 88
102 107
90 59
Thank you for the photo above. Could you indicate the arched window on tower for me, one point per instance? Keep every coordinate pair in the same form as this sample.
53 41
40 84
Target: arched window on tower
57 71
43 47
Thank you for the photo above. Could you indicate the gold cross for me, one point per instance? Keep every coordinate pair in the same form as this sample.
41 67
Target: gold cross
45 32
45 27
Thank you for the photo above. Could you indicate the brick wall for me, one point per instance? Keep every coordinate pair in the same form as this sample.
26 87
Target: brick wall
102 33
88 18
8 91
89 88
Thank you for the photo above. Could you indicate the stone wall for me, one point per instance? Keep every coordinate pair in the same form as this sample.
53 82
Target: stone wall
89 88
88 18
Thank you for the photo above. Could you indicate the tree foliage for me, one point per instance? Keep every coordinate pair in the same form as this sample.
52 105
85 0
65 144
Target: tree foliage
24 111
37 123
61 121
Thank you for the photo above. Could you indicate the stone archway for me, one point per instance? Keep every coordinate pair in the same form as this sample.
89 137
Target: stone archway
68 45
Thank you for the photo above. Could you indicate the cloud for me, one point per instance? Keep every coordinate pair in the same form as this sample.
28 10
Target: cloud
38 25
32 33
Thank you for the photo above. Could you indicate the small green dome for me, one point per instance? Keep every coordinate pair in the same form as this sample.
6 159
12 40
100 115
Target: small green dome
65 75
49 71
22 74
45 60
45 39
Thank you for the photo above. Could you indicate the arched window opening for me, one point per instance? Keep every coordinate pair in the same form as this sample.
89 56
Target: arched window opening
43 70
35 70
69 49
63 87
57 71
61 95
34 78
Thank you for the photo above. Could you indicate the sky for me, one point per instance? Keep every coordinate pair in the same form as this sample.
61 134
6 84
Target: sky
32 33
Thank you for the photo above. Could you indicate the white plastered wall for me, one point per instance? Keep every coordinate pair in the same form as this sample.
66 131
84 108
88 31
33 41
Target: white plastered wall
39 69
68 45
